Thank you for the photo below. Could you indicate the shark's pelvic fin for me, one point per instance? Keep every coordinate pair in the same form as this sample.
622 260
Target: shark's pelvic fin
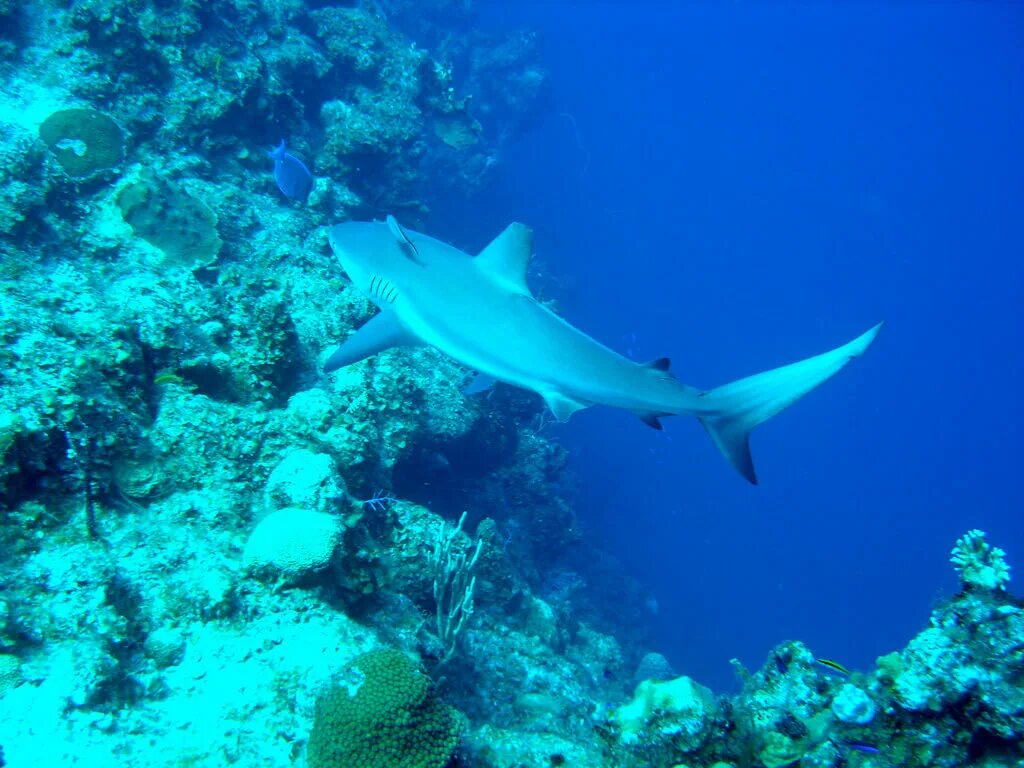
380 332
508 256
734 409
561 406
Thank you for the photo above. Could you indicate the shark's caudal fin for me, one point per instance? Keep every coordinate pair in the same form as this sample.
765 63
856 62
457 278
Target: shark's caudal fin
734 409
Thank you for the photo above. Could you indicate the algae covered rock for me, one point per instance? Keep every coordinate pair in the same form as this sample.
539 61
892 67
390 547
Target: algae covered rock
458 131
10 673
679 710
930 678
304 479
852 705
84 141
383 713
168 217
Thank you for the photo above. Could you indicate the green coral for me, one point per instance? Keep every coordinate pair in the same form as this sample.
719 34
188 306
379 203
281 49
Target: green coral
84 141
383 714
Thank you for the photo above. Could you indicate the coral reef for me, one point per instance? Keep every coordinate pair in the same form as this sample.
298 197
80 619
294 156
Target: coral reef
204 536
952 697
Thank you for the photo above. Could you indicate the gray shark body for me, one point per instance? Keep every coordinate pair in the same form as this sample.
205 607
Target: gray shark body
479 311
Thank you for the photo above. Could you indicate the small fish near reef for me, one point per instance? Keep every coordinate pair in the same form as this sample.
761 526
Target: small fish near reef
291 174
835 666
859 746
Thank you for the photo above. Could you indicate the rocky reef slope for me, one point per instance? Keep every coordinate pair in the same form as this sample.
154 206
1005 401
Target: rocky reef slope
215 555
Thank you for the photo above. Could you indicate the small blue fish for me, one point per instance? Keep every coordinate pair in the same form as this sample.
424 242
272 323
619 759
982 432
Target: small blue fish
291 174
867 749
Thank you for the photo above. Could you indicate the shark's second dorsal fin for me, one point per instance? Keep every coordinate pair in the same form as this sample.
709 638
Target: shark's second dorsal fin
507 257
661 364
659 368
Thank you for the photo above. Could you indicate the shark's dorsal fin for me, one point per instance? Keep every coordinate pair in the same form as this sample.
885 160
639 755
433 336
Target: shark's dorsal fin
507 257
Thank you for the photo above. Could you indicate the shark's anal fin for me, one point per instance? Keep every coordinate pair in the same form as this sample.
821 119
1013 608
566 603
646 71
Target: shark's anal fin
508 256
653 420
380 332
561 406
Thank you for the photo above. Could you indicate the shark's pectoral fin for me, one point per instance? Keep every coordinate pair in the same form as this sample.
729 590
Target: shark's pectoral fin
508 256
380 332
561 406
481 383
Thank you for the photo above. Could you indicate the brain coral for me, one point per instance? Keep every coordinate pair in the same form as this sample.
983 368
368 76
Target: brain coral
84 141
382 715
292 542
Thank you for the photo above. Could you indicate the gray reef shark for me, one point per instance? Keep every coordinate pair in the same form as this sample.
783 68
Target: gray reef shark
479 311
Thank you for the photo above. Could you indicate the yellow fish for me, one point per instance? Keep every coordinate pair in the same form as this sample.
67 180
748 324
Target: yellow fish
833 665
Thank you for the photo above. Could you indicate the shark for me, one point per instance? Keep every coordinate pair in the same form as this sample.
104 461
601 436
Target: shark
479 311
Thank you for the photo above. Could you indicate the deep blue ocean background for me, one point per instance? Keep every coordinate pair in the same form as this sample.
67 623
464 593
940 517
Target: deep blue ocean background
738 187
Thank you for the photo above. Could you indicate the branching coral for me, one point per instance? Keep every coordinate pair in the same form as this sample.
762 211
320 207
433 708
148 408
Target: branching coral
453 586
979 564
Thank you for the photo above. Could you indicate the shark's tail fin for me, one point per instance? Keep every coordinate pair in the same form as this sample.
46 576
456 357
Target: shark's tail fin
734 409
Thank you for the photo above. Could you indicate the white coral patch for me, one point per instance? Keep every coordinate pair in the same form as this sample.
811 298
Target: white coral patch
292 542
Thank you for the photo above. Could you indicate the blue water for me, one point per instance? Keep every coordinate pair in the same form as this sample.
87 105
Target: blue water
740 187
